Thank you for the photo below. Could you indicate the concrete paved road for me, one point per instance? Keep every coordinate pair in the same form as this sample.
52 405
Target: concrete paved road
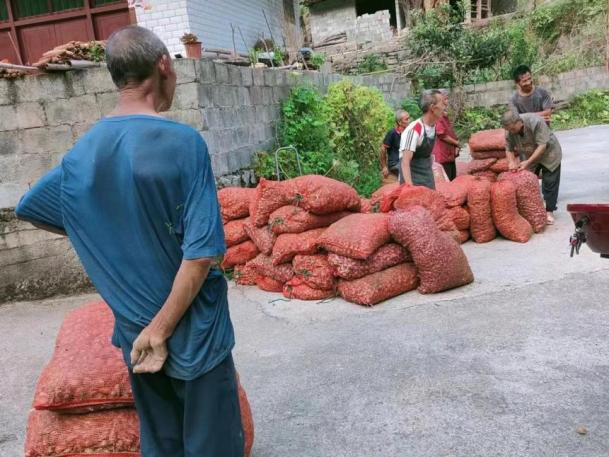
511 365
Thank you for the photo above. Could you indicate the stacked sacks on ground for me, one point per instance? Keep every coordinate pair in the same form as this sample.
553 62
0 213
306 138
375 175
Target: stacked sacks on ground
326 240
83 404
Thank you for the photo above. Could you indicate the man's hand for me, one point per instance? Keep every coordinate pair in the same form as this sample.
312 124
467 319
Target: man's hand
149 351
524 165
457 151
385 172
513 165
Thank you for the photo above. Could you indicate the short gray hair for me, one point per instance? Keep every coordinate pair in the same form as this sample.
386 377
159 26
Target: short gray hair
132 53
399 113
428 98
510 118
444 92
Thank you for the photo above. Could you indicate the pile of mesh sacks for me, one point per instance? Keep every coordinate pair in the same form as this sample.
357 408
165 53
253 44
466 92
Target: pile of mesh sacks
83 404
313 238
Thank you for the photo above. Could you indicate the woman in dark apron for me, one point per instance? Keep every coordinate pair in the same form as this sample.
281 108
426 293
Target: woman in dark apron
421 172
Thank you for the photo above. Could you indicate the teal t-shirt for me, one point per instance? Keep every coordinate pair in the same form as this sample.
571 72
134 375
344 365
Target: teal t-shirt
136 195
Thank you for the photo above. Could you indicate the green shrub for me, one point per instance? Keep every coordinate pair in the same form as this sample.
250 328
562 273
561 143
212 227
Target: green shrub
411 104
371 63
587 109
475 119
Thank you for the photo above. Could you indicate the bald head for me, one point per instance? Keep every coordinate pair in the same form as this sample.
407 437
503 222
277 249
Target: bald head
132 54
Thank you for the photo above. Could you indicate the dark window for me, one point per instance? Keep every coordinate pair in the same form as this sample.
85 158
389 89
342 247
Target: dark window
27 8
288 11
105 2
3 11
372 6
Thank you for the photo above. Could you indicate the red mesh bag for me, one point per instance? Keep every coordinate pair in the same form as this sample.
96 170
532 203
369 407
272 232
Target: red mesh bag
454 192
263 237
263 265
298 289
476 165
356 236
462 168
377 287
464 236
112 433
245 275
71 387
365 206
409 196
508 221
292 219
528 198
235 202
378 195
384 257
460 216
489 175
269 284
439 174
270 195
314 271
290 244
439 259
240 254
247 420
234 232
488 140
482 227
322 195
483 155
501 166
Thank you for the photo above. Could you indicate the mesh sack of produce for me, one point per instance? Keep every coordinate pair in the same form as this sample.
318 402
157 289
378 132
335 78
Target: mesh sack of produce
270 195
386 256
501 166
99 380
235 202
314 270
247 420
240 254
292 219
380 286
263 237
356 236
290 244
454 192
488 140
408 196
462 168
477 165
439 174
439 259
528 198
482 227
263 265
483 155
234 232
245 275
489 175
378 195
269 284
464 236
508 221
113 433
298 289
321 195
460 216
365 206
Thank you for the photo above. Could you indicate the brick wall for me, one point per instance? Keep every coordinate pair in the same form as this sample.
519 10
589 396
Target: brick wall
168 19
331 17
236 110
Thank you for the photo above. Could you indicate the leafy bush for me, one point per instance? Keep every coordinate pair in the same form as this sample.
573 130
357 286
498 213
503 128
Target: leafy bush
586 109
371 63
318 59
411 104
475 119
338 135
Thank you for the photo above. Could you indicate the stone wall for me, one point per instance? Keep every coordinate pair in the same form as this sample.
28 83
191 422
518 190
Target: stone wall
562 87
373 28
347 57
236 110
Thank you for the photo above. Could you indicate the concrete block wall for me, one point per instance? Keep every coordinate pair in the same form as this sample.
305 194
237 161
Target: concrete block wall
235 109
373 28
331 17
168 19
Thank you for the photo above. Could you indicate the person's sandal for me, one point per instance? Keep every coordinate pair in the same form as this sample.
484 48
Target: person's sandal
550 219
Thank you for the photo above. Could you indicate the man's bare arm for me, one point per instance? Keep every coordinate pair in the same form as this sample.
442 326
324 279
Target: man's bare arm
534 157
511 158
405 165
150 347
383 158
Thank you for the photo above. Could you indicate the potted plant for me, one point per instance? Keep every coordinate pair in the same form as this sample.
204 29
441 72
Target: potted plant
192 45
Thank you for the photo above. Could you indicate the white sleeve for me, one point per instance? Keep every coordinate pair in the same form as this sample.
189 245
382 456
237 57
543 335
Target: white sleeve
408 141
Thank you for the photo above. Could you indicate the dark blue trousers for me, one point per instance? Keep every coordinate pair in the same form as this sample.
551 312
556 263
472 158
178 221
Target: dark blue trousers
198 418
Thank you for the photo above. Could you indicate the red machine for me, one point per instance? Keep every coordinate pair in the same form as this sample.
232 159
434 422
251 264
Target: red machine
591 227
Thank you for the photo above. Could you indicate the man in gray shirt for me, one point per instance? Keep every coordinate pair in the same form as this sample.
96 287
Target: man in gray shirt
531 145
528 98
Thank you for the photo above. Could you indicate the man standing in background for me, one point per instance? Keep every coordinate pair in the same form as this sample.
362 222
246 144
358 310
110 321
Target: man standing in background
446 147
529 98
390 149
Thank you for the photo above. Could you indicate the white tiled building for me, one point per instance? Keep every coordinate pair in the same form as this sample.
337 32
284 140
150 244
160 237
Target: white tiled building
211 21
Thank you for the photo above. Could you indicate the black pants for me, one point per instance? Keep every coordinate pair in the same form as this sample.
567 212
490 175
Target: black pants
550 183
451 170
198 418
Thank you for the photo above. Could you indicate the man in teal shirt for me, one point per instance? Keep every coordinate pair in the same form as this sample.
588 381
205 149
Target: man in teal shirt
136 196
